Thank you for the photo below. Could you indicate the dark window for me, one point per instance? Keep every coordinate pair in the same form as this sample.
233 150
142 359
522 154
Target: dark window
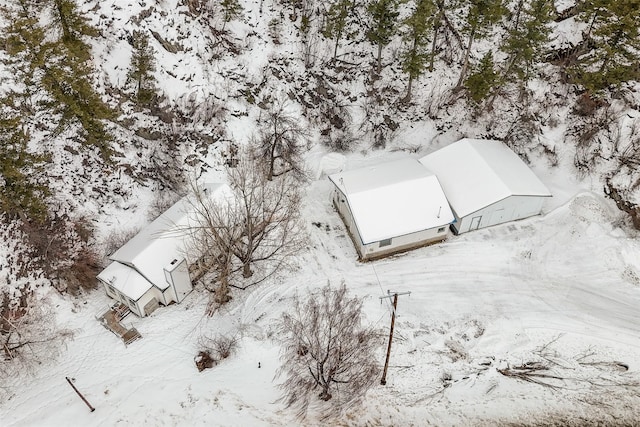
441 229
385 242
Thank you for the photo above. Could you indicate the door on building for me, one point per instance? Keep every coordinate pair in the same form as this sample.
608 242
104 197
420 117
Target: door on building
475 222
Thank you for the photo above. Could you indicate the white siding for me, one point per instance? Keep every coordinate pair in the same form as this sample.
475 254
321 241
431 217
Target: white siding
149 296
169 295
408 241
340 201
398 243
182 281
510 209
177 275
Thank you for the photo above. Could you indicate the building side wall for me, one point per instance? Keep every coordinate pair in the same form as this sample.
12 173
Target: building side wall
510 209
113 292
144 300
404 243
137 307
179 278
169 295
340 201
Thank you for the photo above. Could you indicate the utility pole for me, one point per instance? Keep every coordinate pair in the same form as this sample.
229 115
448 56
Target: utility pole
383 381
80 394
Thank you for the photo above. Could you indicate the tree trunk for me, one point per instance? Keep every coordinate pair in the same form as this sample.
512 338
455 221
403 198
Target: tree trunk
465 64
246 269
379 59
272 161
436 28
324 394
66 35
407 97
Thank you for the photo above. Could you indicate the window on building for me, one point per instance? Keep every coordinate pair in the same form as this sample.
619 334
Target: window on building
441 229
385 242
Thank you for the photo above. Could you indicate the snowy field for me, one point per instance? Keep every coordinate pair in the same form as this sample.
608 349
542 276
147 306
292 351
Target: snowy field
561 290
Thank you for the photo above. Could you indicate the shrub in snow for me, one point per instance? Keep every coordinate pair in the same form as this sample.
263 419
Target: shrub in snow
204 360
214 350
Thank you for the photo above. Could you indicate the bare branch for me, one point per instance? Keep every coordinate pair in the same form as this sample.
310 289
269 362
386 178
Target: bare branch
325 345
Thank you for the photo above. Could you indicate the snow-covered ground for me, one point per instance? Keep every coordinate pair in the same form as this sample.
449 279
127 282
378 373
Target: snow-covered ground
562 289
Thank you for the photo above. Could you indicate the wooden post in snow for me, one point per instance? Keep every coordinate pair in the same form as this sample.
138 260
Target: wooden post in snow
80 394
383 381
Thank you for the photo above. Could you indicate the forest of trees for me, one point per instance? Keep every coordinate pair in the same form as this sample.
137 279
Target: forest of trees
486 53
53 95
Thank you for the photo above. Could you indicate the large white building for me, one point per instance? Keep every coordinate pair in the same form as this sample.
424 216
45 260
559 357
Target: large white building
153 267
486 183
391 207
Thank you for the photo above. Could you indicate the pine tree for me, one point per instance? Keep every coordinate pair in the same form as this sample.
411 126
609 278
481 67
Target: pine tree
77 103
20 195
482 81
60 67
525 40
142 67
613 30
231 9
74 27
20 38
481 16
337 22
416 39
384 15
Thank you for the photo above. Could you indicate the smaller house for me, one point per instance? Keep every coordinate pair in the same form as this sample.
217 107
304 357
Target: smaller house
391 207
486 183
153 267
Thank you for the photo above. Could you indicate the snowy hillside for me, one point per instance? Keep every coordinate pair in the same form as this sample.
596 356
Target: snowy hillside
534 322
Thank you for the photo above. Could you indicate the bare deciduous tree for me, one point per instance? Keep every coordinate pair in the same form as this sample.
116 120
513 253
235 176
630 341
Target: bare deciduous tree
327 351
281 139
28 331
256 222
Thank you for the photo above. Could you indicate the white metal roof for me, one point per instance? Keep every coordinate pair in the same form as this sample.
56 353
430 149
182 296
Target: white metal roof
393 199
141 260
476 173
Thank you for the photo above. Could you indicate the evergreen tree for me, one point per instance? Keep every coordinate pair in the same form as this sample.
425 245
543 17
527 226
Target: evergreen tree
481 16
20 195
231 9
384 15
613 30
337 23
74 27
142 68
482 81
59 66
77 103
416 39
525 40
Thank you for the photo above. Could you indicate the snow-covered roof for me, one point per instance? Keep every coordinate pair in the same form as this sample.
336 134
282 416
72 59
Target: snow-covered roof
393 199
139 264
477 173
125 279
